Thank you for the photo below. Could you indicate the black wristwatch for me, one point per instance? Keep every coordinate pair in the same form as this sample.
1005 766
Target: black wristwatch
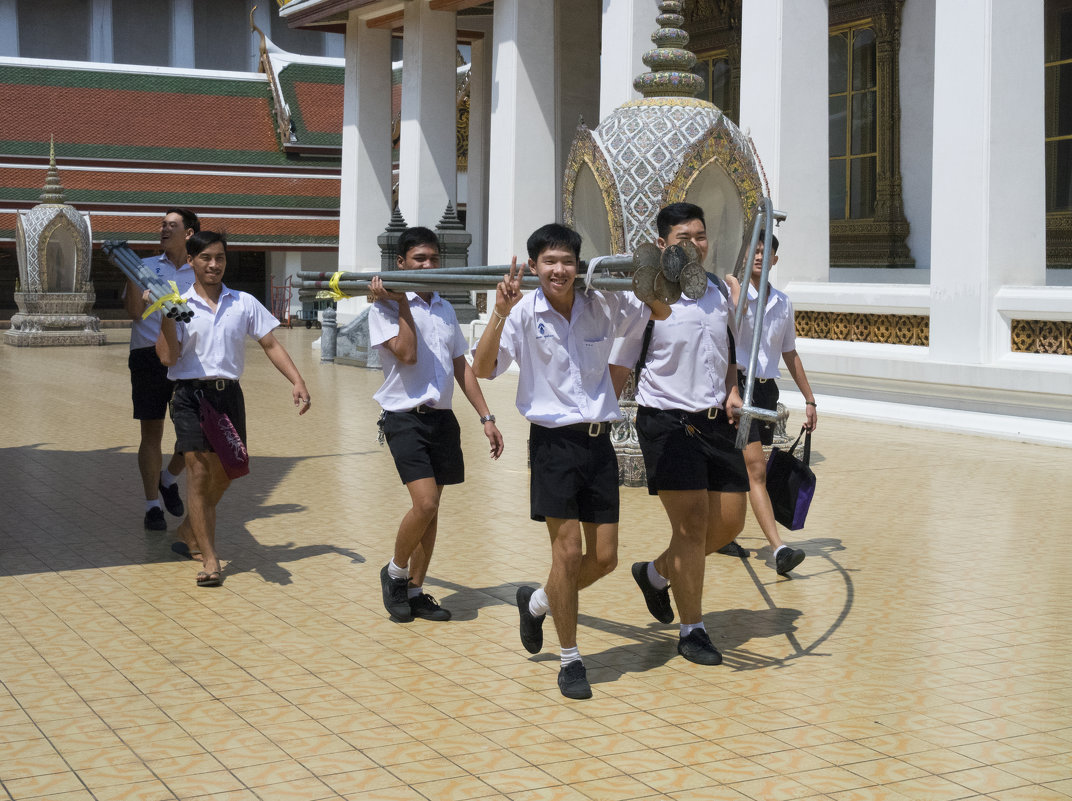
488 419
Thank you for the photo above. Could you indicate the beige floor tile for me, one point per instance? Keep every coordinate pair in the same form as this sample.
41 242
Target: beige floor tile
869 674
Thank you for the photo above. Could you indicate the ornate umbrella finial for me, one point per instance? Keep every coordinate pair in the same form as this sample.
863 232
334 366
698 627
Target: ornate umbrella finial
670 61
53 192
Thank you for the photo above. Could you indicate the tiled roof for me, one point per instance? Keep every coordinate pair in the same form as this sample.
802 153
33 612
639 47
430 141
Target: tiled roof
314 95
142 140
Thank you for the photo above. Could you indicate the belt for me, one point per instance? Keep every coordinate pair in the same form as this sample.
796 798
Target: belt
743 376
711 414
424 408
218 384
592 429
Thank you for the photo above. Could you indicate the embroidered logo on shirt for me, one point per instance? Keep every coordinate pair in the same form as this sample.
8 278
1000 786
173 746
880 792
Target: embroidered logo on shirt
540 329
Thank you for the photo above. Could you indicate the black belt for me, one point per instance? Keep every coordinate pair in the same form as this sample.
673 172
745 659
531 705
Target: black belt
742 375
424 408
591 429
709 414
218 384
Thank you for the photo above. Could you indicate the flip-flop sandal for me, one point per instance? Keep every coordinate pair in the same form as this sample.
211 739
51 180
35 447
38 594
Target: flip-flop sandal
182 549
213 579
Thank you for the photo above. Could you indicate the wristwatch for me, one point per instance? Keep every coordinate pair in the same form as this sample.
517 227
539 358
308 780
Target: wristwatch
488 419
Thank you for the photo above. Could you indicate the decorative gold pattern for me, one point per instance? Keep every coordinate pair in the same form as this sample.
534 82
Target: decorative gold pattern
890 329
723 144
1042 336
584 151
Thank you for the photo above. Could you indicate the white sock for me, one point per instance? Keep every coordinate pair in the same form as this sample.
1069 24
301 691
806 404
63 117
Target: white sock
413 592
688 628
166 478
396 572
779 548
538 603
570 655
655 579
155 503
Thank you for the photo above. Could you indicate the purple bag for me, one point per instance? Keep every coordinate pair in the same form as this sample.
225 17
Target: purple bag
222 436
791 484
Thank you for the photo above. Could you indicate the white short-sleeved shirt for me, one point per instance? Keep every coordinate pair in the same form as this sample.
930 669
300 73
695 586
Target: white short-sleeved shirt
689 355
778 335
439 342
565 378
143 333
214 345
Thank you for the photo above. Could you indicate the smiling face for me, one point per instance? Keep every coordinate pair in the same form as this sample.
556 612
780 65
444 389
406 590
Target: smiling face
209 265
692 231
556 267
173 230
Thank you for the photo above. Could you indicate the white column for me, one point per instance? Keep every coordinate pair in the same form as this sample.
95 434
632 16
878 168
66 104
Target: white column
9 28
784 101
476 209
521 194
100 31
365 191
627 29
182 33
988 224
427 150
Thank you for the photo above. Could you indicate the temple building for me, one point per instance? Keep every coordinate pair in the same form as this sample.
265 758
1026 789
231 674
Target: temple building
921 150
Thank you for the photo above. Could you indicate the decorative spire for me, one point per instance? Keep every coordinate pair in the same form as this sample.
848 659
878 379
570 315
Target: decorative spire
53 192
397 223
450 221
670 61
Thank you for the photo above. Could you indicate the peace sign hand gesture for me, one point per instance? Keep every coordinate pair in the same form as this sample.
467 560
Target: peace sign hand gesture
508 291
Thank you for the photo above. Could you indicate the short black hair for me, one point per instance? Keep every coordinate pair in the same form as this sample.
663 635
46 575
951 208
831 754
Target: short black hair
553 235
415 237
200 240
773 240
189 219
675 214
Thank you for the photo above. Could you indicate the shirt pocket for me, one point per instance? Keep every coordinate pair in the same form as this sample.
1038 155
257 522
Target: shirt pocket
595 355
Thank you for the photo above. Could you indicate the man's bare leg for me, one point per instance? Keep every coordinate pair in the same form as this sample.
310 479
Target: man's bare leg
150 458
683 561
206 484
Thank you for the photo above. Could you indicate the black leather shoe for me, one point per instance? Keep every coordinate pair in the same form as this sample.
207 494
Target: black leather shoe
531 626
427 607
573 681
154 520
698 648
658 601
394 596
733 549
172 501
787 559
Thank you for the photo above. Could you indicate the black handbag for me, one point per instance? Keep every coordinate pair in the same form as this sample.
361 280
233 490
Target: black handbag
791 483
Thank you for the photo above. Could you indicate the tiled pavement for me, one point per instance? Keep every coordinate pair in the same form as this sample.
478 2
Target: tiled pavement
922 651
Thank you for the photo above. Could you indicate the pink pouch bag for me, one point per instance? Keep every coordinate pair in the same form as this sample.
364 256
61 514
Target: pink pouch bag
222 436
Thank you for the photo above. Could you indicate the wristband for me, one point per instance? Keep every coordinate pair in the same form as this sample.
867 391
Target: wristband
488 418
810 403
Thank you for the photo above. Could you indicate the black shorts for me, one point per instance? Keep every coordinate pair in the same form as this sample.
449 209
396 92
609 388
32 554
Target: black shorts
573 476
676 460
186 412
426 444
150 388
765 396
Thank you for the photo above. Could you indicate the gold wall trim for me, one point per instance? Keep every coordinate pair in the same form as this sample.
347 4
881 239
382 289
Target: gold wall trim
1042 336
888 329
